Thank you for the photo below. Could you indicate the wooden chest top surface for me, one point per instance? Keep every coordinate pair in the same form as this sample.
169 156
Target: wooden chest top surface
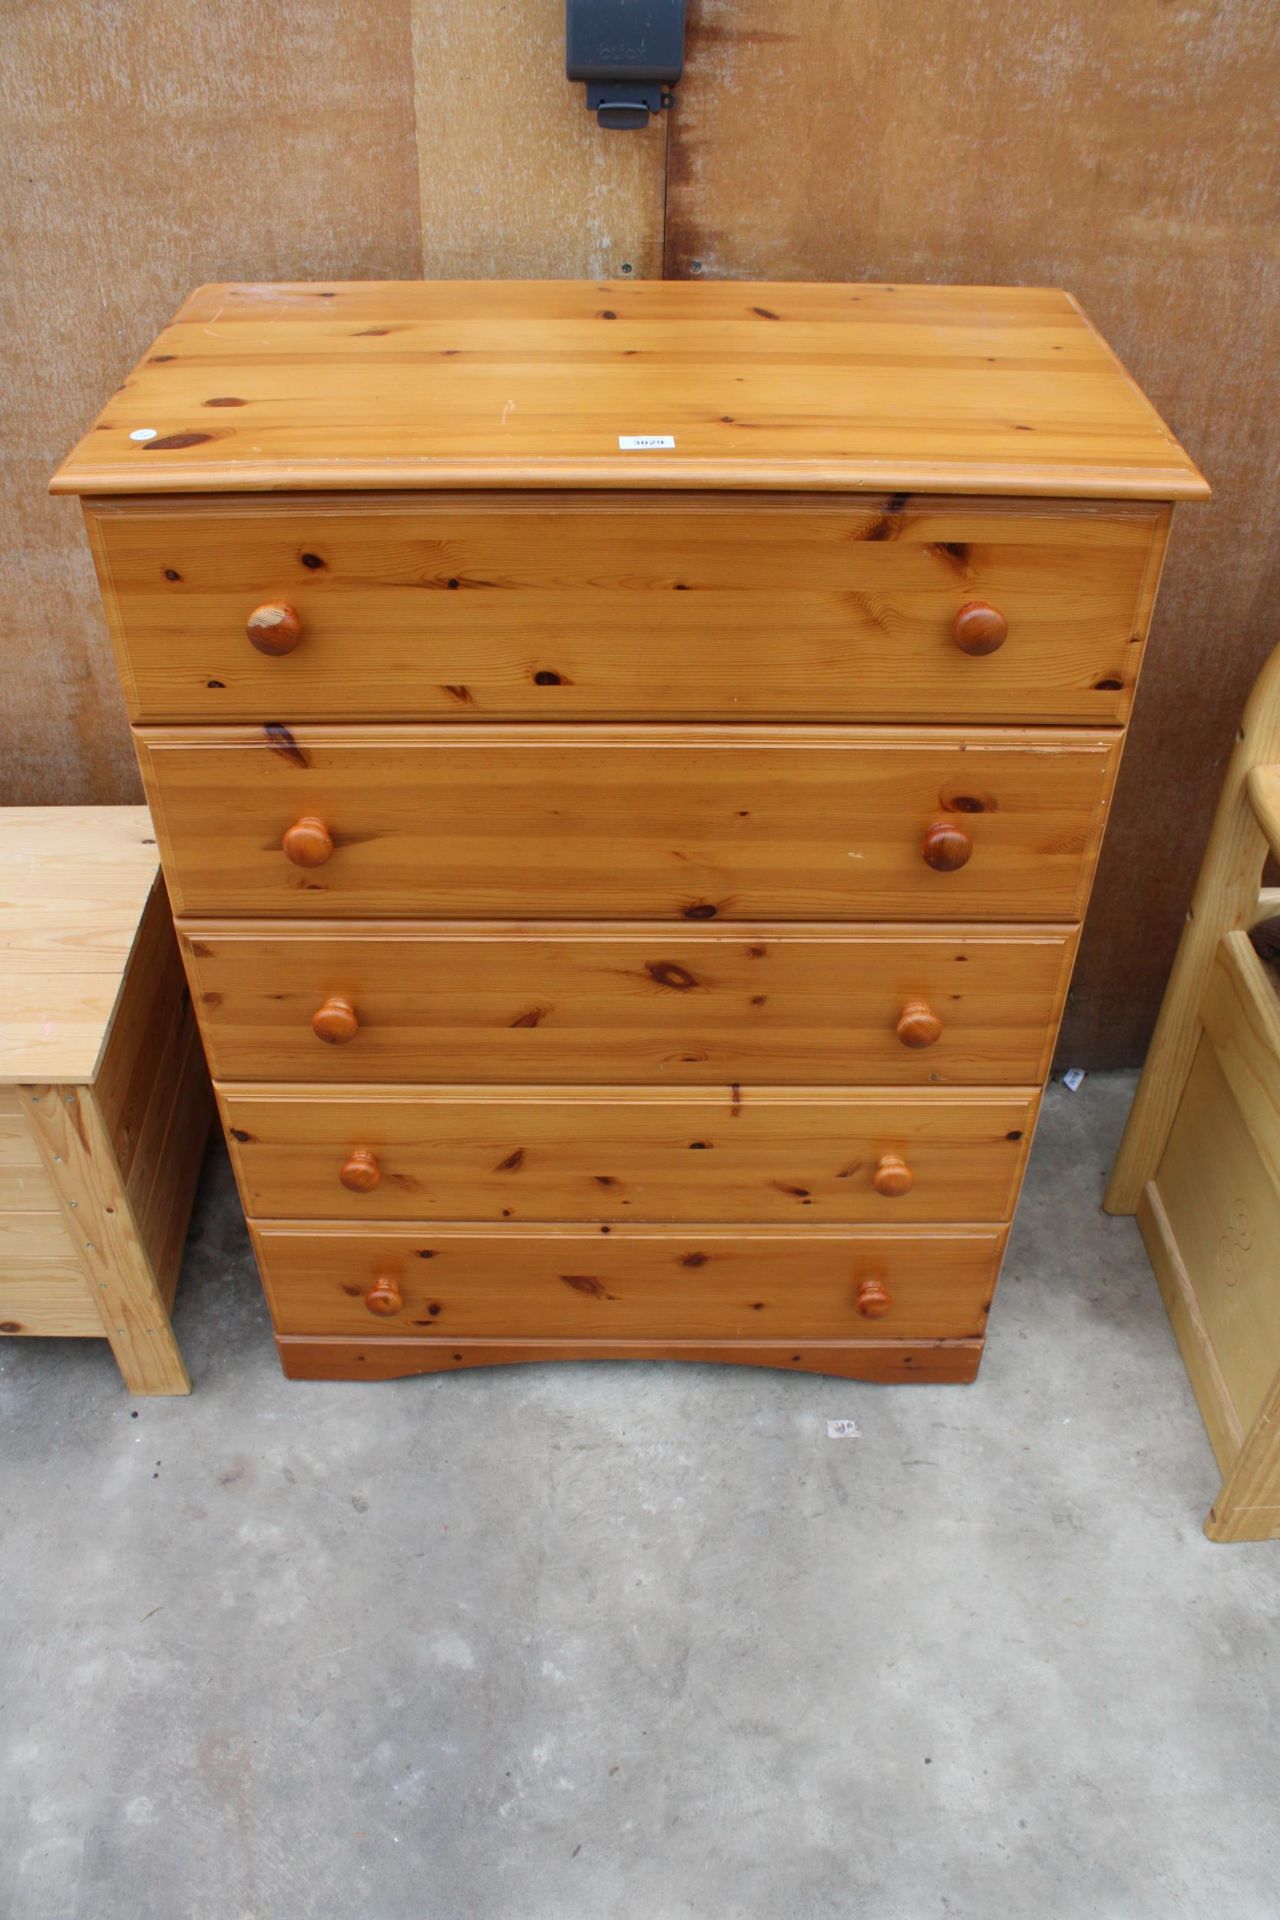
367 385
74 883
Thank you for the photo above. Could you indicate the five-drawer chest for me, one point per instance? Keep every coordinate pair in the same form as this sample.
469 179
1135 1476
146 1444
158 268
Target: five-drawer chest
629 762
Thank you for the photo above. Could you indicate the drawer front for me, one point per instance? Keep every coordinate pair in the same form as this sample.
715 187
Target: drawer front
696 1006
574 610
627 1153
679 823
579 1283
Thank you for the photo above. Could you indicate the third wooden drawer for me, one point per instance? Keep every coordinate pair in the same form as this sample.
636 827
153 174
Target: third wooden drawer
579 1004
628 1153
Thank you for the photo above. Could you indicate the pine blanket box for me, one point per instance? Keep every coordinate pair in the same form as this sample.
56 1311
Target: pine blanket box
105 1104
1200 1160
629 762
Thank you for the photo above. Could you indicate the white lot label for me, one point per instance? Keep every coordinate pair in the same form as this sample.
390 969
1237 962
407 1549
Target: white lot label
640 442
843 1430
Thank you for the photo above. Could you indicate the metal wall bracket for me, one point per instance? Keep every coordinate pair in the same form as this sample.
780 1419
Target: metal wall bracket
630 53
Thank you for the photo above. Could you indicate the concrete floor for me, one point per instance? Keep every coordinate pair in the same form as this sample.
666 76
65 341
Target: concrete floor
611 1643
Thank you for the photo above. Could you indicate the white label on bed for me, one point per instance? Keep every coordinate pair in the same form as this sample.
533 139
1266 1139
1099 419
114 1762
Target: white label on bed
641 442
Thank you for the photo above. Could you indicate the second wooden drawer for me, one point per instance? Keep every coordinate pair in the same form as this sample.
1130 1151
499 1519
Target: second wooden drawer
658 823
627 1153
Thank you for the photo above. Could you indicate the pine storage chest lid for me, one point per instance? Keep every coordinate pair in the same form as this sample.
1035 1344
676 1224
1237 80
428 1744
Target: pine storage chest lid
74 885
683 384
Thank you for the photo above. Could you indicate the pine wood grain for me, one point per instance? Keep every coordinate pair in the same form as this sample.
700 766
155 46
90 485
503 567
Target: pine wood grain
1210 1219
422 384
1204 1139
182 1135
1241 1016
578 608
884 1361
1177 1290
628 1282
24 1184
739 1153
156 1001
74 884
1225 900
153 1094
582 1003
667 823
96 1173
35 1234
76 1145
48 1298
1263 785
1223 1208
1248 1507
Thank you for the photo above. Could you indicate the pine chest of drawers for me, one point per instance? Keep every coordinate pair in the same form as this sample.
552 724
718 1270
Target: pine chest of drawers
629 764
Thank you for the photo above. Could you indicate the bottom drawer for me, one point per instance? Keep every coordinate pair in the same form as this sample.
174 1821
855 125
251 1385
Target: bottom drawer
629 1283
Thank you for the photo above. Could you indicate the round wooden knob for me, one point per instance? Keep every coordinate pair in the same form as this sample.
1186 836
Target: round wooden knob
946 847
918 1024
274 628
335 1021
384 1295
360 1171
978 628
892 1177
308 842
873 1300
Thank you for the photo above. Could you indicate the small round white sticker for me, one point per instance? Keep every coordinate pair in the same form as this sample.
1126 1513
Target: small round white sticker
144 433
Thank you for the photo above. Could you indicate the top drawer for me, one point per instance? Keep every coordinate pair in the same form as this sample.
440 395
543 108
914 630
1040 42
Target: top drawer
626 607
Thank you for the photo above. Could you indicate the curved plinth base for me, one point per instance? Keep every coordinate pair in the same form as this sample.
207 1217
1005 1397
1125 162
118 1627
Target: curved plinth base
939 1361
